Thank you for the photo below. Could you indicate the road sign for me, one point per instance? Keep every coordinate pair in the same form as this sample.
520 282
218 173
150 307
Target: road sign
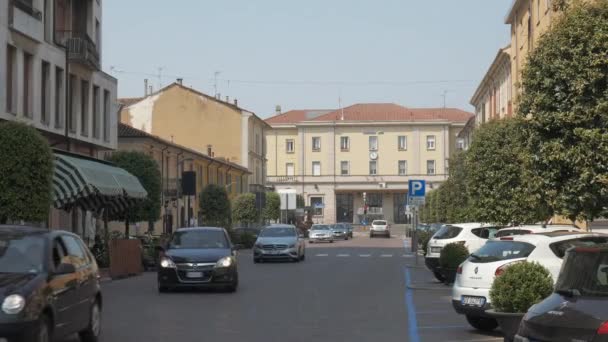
416 201
416 188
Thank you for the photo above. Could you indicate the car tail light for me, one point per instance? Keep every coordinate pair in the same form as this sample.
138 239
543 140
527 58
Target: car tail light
459 270
603 329
499 271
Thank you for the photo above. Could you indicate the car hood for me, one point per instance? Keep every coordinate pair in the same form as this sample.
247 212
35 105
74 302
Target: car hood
198 255
320 232
276 240
560 318
11 283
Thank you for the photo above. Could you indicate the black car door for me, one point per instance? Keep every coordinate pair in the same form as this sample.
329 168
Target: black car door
64 290
81 311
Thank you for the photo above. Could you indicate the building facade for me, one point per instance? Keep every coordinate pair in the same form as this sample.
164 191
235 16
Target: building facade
493 99
51 78
355 163
205 124
172 160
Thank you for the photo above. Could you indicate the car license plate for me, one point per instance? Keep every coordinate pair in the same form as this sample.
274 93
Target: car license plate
435 249
194 274
473 301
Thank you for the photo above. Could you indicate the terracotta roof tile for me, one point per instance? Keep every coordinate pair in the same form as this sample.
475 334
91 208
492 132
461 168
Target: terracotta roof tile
127 101
294 116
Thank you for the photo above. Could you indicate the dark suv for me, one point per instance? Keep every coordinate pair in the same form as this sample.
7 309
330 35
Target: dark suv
49 286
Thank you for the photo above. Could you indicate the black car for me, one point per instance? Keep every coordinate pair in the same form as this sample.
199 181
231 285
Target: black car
49 286
578 308
198 257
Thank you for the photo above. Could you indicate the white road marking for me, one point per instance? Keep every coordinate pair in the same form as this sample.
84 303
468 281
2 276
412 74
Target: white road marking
365 255
343 255
408 255
386 256
322 255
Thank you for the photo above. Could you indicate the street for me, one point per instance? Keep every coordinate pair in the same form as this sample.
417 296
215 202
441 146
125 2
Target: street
346 291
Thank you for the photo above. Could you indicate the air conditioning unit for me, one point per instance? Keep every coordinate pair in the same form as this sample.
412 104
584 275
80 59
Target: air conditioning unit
382 185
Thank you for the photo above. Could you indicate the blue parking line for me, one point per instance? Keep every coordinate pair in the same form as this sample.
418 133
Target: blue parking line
411 309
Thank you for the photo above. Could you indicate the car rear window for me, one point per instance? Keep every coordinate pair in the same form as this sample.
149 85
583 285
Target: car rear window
511 232
559 248
501 250
447 232
585 273
379 223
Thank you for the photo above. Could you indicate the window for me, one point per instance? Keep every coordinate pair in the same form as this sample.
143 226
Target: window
402 142
316 168
460 144
10 78
72 118
317 204
97 35
344 143
430 142
106 115
373 167
229 182
95 112
402 168
28 61
344 168
84 108
289 146
289 169
59 96
374 200
373 143
48 24
45 97
316 143
430 167
75 253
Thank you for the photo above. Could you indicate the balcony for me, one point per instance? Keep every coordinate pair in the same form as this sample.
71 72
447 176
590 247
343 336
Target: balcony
82 50
281 179
171 187
25 19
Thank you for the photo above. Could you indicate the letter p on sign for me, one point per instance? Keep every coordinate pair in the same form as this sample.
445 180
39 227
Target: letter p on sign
417 188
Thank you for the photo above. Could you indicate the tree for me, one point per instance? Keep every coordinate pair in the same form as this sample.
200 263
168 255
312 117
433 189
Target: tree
272 210
456 190
300 201
499 187
244 209
214 206
146 170
26 174
565 101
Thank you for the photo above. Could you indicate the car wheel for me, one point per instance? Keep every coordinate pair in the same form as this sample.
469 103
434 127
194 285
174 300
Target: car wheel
235 284
162 289
311 242
256 260
42 333
92 332
303 257
482 323
371 236
439 276
331 241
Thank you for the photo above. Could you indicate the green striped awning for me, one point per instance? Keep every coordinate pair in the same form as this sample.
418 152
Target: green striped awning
93 185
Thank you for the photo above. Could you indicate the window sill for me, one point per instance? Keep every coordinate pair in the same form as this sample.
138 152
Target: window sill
431 149
403 149
344 150
290 152
319 150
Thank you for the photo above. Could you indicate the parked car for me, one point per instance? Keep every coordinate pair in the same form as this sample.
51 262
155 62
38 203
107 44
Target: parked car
339 231
535 229
320 232
577 309
201 257
472 235
380 227
49 286
279 242
470 293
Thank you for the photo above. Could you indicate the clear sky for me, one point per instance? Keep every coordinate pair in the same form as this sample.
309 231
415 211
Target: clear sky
309 53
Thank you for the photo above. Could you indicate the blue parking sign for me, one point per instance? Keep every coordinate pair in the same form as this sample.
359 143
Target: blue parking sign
417 188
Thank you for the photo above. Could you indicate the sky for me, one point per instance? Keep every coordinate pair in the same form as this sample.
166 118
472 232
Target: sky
310 54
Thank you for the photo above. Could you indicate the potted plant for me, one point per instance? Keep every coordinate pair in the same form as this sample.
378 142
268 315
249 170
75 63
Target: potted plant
522 285
452 255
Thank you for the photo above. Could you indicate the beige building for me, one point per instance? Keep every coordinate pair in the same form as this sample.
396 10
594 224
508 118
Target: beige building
334 157
172 160
203 123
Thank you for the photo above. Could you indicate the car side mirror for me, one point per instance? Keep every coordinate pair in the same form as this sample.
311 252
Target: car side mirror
65 269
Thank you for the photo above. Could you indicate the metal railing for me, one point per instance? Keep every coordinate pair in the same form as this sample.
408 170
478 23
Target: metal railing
81 48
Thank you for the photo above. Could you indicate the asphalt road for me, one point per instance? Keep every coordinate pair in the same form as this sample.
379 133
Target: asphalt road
346 291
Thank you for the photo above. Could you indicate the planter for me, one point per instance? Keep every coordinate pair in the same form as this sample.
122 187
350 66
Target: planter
449 275
508 322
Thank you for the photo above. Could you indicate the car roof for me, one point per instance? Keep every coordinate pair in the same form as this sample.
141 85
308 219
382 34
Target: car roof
280 226
471 225
552 236
212 229
548 226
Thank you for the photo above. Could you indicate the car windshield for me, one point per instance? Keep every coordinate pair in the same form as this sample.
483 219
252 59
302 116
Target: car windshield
379 223
559 248
22 254
501 250
320 227
199 239
511 232
447 232
584 273
278 232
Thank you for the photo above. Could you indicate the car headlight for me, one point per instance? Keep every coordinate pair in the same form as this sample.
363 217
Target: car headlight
224 262
13 304
167 263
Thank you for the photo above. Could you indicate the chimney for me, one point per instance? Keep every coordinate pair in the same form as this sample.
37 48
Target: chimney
227 99
278 109
146 87
151 90
180 81
236 102
209 151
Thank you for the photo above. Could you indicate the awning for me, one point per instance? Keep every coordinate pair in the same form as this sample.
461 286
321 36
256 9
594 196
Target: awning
93 185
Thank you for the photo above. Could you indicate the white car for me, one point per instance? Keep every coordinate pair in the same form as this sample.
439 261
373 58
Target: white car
536 229
320 232
474 278
380 227
472 235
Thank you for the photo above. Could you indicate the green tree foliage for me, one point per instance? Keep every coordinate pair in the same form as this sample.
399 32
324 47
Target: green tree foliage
499 187
452 255
565 101
272 210
215 207
521 286
26 174
456 190
244 209
146 170
300 201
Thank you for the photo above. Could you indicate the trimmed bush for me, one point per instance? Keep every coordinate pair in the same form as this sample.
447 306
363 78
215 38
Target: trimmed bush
452 255
521 285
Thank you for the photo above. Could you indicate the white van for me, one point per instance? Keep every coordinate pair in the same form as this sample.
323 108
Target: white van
472 235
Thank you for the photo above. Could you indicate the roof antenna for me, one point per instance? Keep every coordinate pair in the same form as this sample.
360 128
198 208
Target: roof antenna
340 105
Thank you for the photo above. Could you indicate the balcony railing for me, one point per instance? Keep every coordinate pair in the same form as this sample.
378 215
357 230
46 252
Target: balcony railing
281 179
171 187
81 48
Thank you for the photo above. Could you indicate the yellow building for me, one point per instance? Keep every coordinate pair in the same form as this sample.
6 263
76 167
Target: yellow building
334 157
172 160
202 123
